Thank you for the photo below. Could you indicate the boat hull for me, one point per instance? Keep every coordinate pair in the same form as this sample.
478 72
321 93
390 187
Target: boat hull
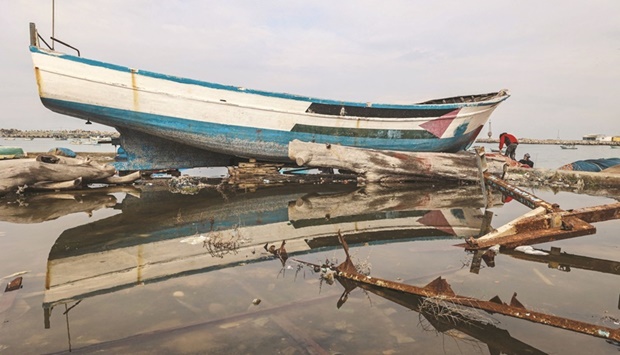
237 122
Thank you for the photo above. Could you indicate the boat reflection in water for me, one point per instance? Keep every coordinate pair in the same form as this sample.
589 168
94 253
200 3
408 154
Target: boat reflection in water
201 272
160 235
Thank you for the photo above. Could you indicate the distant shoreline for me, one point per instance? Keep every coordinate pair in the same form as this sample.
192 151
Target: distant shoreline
550 141
80 133
66 134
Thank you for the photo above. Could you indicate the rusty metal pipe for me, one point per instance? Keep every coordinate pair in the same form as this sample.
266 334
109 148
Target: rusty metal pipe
518 194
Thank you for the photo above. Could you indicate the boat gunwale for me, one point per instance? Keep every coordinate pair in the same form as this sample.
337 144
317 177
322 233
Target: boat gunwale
461 115
496 97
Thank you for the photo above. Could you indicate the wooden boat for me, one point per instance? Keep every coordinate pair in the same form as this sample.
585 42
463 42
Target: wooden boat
172 122
7 152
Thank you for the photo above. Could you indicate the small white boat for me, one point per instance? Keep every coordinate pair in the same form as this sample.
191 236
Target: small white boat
568 146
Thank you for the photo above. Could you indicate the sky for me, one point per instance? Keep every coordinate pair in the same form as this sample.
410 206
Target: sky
559 59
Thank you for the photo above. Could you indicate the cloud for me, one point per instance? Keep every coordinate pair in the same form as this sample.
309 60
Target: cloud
560 62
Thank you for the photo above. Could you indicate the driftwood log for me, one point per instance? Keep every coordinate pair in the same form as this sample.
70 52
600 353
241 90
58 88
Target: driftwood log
383 165
53 172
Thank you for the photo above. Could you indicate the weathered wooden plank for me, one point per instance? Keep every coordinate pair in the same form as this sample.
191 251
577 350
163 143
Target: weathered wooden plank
382 165
15 173
53 172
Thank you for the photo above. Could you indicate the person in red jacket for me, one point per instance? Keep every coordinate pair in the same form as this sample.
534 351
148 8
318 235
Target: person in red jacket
511 144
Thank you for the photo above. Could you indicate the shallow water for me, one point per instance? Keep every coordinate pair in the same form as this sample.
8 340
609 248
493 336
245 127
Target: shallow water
552 156
147 271
544 156
38 145
142 270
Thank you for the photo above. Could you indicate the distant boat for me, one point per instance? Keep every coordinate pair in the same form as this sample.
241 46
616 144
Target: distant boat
172 122
7 152
615 147
9 138
28 138
100 140
568 146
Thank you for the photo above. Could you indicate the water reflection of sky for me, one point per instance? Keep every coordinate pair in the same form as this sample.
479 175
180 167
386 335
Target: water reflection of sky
200 309
552 156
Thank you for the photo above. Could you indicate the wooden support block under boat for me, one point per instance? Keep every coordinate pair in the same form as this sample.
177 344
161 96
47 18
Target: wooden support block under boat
383 165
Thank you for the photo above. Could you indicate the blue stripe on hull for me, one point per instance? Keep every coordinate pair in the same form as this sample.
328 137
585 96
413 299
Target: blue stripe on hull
262 144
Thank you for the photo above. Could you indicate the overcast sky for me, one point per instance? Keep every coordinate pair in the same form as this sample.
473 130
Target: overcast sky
559 59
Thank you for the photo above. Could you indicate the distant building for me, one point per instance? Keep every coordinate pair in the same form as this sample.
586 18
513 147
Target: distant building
615 139
593 137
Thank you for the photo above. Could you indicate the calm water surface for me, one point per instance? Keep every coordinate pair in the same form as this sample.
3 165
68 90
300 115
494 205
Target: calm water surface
552 156
143 270
45 144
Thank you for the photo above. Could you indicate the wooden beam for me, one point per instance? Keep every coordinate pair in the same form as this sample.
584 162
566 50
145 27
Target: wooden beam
382 165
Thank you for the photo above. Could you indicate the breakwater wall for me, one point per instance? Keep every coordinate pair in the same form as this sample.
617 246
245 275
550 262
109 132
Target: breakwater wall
75 133
550 141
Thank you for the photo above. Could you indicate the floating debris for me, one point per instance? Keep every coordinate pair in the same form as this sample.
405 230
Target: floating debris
193 240
191 185
219 245
16 284
279 253
527 249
